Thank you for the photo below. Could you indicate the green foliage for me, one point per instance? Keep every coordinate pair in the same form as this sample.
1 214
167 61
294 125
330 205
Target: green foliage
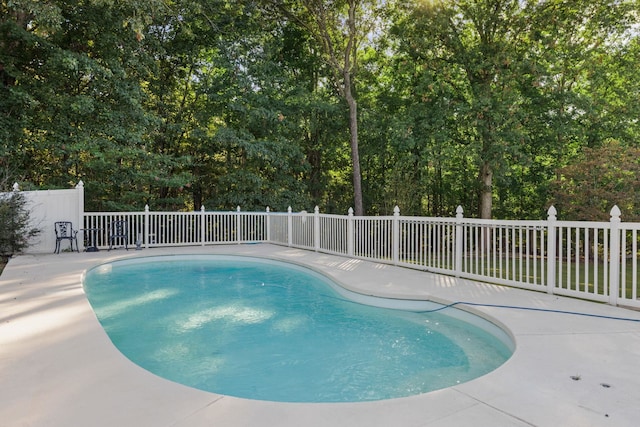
599 179
518 87
15 228
183 104
80 88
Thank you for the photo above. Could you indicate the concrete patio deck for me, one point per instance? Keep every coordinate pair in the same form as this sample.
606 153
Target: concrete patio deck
58 368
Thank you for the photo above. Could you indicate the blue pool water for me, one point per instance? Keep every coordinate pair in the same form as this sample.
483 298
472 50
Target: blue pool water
268 330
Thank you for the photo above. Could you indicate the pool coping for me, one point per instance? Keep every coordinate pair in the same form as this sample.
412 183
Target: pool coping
58 367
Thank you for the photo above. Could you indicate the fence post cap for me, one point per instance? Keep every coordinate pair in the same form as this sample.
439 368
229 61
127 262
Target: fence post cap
80 184
202 208
350 211
268 210
316 209
289 210
552 212
16 186
396 210
459 211
615 212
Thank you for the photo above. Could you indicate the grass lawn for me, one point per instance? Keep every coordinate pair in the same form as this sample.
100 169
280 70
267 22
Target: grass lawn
583 276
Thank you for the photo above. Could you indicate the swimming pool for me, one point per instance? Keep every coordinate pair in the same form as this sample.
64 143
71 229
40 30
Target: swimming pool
268 330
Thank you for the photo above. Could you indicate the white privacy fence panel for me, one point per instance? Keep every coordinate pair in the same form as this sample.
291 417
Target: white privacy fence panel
49 206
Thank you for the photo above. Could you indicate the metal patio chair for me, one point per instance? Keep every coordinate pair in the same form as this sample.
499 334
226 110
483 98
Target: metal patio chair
64 231
119 230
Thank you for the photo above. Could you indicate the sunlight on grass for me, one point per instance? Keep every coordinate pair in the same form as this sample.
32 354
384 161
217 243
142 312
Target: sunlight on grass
586 277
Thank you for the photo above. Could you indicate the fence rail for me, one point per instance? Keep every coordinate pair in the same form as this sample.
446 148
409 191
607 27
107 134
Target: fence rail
591 260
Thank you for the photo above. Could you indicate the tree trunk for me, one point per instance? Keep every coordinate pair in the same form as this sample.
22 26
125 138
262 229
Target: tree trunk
355 154
486 190
326 23
197 197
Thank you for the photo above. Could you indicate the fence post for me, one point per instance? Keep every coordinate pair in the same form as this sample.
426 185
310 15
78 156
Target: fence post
80 190
238 225
396 235
459 241
289 227
203 225
551 249
268 225
316 228
146 226
614 256
350 233
16 186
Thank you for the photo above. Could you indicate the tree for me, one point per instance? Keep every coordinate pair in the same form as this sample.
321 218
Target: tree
240 141
296 102
519 73
75 71
416 156
603 177
15 227
340 28
475 45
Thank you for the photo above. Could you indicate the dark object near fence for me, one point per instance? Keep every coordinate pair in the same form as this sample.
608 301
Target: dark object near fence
118 230
64 231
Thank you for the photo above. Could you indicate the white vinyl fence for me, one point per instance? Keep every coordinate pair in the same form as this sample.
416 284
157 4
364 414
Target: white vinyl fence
591 260
48 206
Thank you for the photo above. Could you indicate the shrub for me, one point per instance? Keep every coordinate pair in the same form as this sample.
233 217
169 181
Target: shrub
15 230
605 176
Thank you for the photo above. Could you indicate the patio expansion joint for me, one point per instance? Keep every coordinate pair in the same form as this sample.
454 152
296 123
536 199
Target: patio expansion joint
180 422
575 333
495 408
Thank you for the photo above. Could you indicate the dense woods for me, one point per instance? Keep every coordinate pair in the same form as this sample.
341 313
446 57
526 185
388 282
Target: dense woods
501 106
